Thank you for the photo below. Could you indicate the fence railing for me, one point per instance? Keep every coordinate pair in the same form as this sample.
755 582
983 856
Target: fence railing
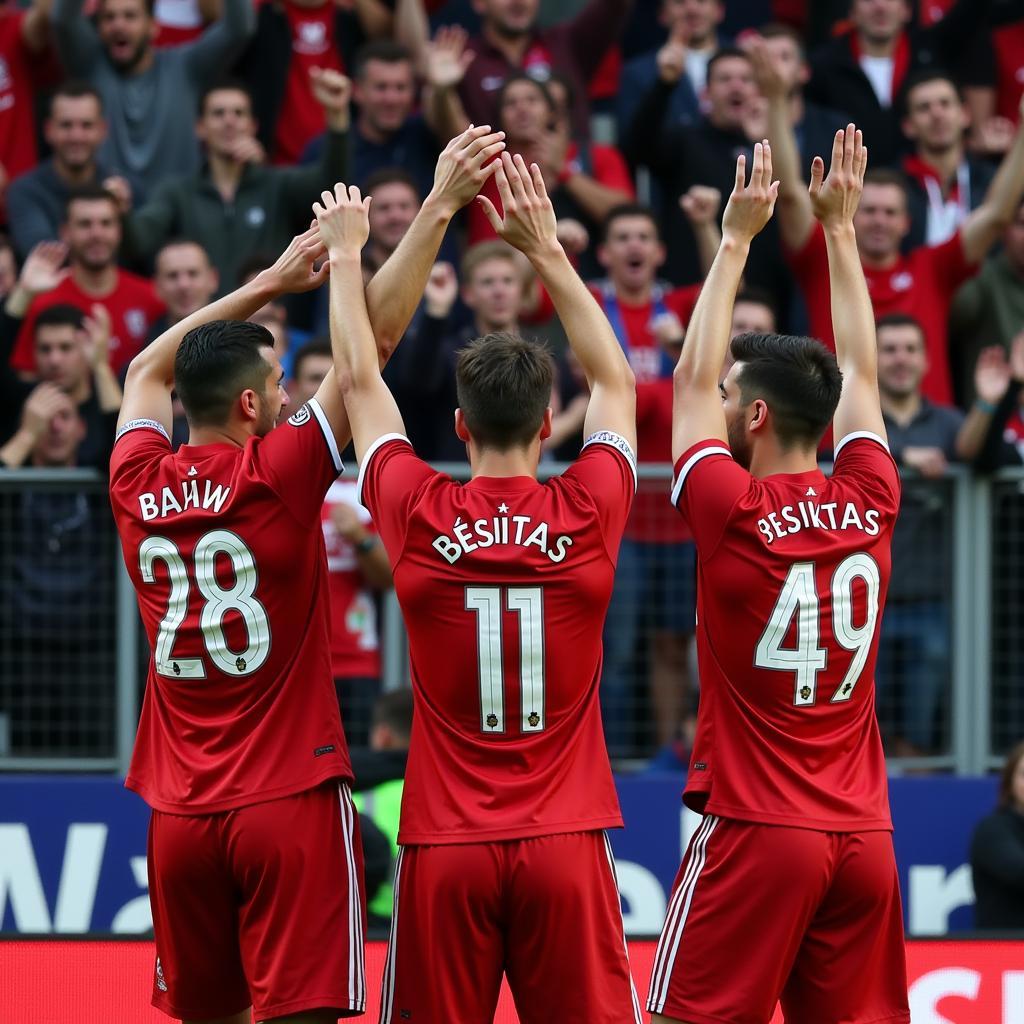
950 674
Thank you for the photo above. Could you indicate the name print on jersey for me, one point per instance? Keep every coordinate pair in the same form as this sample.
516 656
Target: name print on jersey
812 515
484 533
212 497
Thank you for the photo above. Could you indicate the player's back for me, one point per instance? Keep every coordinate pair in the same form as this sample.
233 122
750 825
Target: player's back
504 584
225 549
792 575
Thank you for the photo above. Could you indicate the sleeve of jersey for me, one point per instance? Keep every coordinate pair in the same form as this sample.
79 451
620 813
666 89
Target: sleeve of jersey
300 459
391 476
864 460
606 469
706 485
136 445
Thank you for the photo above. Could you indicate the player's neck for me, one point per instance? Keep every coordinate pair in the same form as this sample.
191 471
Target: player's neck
515 462
771 460
228 434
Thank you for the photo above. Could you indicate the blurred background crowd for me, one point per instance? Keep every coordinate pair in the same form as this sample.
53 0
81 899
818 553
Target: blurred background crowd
156 153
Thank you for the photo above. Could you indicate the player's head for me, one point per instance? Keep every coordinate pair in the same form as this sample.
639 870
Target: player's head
780 388
391 724
492 285
58 444
227 375
59 348
504 388
384 86
92 227
902 355
881 220
184 278
934 115
126 29
630 249
1011 781
313 361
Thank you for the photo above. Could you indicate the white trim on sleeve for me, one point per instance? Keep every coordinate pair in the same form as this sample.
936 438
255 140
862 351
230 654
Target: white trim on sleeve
325 426
619 443
859 435
370 452
140 424
677 486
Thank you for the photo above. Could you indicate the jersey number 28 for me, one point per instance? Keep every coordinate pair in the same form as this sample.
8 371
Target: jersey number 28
799 598
218 601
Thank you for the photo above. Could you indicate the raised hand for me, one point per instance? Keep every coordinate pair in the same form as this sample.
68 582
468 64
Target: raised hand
446 58
332 91
42 271
247 149
991 374
96 328
750 206
294 270
700 204
573 235
441 291
42 404
671 58
767 69
343 217
834 199
119 188
529 222
465 164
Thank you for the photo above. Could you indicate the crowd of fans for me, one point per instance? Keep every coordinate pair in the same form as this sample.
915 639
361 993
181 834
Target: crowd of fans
156 153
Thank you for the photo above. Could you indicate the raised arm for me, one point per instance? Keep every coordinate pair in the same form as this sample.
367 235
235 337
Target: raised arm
222 41
147 388
834 200
697 400
78 43
343 219
396 289
529 225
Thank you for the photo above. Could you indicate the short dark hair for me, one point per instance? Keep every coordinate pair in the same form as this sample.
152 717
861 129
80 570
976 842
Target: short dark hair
75 89
313 347
176 242
798 378
225 83
62 315
900 320
760 297
920 77
724 53
780 30
390 176
387 51
215 363
504 387
86 194
627 210
394 709
887 176
150 6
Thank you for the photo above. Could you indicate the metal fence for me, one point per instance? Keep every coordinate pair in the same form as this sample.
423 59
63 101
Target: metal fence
951 660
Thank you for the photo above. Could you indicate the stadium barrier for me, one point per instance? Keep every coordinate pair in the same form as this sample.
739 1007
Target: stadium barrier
950 678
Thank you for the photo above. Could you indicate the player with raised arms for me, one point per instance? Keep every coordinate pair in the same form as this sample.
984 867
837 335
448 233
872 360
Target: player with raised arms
255 868
788 889
504 583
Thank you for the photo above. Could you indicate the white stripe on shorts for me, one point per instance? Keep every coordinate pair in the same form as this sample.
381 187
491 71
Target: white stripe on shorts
387 995
356 962
675 918
637 1018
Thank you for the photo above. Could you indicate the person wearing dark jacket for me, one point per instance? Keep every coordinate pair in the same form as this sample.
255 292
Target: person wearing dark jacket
997 853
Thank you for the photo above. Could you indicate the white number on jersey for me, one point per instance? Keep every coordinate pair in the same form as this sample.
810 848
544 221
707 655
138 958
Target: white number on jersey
239 597
799 597
528 604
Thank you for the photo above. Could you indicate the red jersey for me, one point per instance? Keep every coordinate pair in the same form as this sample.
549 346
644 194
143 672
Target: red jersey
1008 43
17 123
225 549
792 574
504 584
921 283
355 650
133 306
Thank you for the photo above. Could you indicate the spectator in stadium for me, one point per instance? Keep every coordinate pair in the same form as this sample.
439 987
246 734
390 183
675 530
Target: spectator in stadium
511 41
920 283
913 650
149 96
236 205
75 131
185 281
994 80
693 38
995 437
989 309
358 570
92 232
862 70
386 132
8 266
377 791
396 201
24 38
997 853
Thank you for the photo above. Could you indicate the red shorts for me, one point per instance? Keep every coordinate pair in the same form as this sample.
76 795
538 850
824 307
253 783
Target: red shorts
762 913
259 906
545 911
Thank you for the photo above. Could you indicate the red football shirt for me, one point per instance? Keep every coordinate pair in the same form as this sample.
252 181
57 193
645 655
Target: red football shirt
133 306
17 124
792 575
355 650
921 284
1008 43
225 548
504 584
